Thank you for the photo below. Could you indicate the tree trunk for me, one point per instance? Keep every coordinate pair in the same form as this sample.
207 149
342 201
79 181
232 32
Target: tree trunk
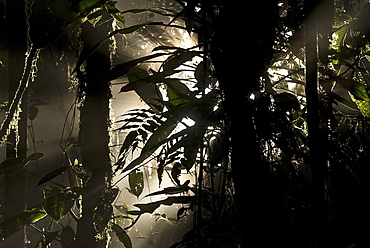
15 179
239 79
315 134
94 136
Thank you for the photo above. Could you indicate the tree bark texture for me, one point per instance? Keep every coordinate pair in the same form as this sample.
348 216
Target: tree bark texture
238 81
94 136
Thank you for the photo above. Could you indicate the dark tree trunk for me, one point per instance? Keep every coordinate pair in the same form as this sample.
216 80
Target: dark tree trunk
240 63
15 179
94 136
316 138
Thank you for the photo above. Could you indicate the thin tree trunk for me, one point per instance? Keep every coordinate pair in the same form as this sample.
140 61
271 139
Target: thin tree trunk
315 138
93 136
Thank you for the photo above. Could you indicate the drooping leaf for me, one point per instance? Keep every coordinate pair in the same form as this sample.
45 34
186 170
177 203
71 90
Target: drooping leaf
121 70
144 85
136 181
123 209
172 190
191 147
52 175
34 156
44 243
178 58
358 90
57 203
344 101
177 92
130 138
156 139
122 236
86 6
342 33
152 206
180 213
176 172
115 13
27 217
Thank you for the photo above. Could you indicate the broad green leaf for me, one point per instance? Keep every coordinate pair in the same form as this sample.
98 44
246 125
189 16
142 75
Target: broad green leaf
136 181
342 34
115 13
137 73
57 203
358 90
52 175
27 217
344 101
122 236
34 156
33 215
364 107
177 92
86 6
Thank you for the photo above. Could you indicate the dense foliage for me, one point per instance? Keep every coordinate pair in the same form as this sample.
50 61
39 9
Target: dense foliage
243 138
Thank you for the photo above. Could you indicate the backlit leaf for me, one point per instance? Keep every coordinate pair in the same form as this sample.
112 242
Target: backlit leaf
152 206
157 139
136 181
57 203
34 156
27 217
172 190
130 138
122 236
